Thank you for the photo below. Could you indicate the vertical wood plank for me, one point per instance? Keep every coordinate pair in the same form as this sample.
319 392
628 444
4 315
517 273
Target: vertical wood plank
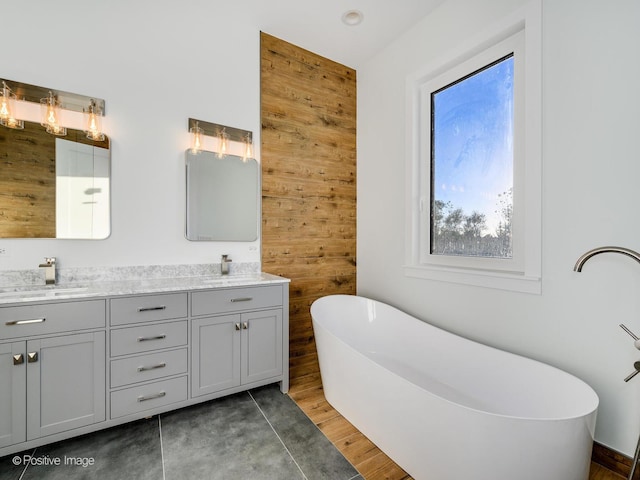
308 115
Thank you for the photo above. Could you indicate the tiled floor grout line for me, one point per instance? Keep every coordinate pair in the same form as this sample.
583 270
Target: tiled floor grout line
24 470
161 448
276 433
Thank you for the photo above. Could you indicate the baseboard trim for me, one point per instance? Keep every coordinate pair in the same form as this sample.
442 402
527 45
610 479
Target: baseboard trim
612 460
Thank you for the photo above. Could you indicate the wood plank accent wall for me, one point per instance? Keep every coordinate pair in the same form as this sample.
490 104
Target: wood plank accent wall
27 182
308 114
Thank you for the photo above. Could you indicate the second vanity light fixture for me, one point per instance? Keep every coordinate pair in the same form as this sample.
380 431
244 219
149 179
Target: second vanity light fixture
224 134
52 102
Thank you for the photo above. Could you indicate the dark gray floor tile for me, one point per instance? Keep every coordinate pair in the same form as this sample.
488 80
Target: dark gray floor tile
12 466
318 458
127 451
223 439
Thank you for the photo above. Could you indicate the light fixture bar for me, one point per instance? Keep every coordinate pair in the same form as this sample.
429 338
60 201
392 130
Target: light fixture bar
66 100
214 129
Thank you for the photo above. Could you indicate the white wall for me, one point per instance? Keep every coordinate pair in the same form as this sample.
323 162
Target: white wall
156 65
590 197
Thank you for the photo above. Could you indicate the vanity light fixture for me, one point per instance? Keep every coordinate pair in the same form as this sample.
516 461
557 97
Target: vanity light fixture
93 115
50 110
224 134
7 109
51 103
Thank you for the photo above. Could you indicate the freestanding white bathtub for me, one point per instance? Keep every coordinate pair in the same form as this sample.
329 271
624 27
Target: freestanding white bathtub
447 408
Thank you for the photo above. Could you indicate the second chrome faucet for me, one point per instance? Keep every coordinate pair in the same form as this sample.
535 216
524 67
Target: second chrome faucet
49 266
224 266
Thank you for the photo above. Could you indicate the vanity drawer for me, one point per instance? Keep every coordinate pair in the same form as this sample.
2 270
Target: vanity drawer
146 308
235 299
148 367
27 320
145 397
144 338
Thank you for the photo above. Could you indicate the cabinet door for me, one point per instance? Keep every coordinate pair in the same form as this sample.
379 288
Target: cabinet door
261 345
215 354
13 391
65 383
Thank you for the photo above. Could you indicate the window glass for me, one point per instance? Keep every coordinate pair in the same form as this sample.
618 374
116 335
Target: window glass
472 157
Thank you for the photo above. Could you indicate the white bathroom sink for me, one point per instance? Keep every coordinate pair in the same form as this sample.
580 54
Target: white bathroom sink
52 291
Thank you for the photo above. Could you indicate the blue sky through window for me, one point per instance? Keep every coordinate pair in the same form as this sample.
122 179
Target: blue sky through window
472 141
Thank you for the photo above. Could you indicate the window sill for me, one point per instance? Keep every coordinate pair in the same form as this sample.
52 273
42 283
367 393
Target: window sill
515 282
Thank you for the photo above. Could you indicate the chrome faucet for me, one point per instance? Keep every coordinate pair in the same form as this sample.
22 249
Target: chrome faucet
224 266
587 255
49 266
578 268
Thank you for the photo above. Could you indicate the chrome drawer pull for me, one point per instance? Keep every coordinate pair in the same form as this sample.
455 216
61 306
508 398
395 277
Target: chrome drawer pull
25 322
241 299
151 309
157 337
151 397
153 367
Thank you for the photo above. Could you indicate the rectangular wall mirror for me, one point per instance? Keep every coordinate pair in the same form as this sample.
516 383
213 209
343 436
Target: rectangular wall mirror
54 187
222 197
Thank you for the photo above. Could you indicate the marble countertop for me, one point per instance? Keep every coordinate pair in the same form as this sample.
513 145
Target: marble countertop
38 293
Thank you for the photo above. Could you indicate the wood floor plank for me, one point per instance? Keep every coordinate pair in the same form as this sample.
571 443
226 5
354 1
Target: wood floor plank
356 447
337 428
381 467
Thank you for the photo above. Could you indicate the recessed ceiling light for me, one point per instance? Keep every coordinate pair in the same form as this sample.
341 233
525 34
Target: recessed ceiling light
352 17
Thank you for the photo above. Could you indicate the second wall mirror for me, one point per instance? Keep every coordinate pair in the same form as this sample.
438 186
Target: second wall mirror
223 197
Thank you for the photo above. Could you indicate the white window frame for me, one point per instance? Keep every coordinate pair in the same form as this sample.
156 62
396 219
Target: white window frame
520 33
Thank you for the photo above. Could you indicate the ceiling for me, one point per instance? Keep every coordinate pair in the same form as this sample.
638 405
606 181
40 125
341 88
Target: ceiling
317 25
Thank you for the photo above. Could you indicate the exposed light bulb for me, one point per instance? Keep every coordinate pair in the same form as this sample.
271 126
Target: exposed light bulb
196 139
7 109
248 148
223 143
94 122
4 108
51 116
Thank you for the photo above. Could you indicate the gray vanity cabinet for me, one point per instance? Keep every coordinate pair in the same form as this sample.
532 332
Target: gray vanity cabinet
66 385
73 366
149 353
50 383
260 346
215 352
239 348
13 394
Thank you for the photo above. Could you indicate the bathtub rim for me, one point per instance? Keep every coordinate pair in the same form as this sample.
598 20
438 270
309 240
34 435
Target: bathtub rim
587 388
